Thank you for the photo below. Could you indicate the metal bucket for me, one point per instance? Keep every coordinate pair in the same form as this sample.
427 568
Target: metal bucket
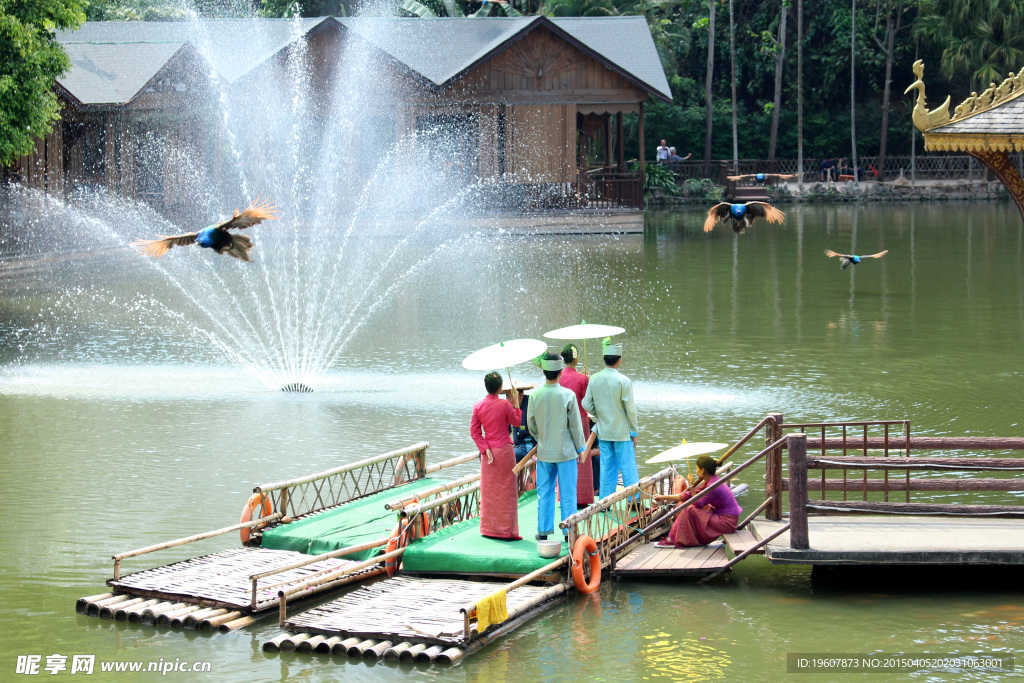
549 549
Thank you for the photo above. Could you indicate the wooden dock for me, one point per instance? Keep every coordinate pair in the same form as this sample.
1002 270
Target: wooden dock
650 559
899 540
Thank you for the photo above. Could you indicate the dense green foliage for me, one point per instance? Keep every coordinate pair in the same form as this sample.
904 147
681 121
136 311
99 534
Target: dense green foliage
30 60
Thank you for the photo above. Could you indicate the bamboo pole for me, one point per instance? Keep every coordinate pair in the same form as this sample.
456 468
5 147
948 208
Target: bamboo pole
192 619
189 539
292 642
212 623
395 651
82 604
326 646
359 648
468 609
108 611
274 644
429 654
441 488
342 647
236 624
266 488
452 462
143 616
992 443
310 645
369 545
378 650
94 608
168 618
416 508
125 612
411 654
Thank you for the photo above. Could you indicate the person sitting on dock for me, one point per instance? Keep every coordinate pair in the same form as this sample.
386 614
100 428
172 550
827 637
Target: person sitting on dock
715 514
609 399
576 382
499 493
554 420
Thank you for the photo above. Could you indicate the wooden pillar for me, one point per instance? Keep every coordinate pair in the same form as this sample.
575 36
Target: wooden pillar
797 447
641 154
488 142
619 141
608 142
773 469
110 152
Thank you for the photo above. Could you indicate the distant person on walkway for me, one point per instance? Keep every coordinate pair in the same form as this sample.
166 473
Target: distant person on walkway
554 420
662 153
715 514
576 382
499 494
609 399
674 159
828 169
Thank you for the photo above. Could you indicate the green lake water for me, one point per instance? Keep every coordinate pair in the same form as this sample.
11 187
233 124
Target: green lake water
110 440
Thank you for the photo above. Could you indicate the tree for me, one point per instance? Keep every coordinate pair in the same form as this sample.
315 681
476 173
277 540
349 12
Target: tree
708 83
30 60
892 12
779 50
732 63
853 89
800 93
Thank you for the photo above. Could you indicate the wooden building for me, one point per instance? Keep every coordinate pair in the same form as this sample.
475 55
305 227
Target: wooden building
529 101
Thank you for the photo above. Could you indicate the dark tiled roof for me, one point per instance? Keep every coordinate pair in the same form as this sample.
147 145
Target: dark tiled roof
112 61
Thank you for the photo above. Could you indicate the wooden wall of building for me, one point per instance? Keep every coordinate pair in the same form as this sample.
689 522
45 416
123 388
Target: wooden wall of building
541 143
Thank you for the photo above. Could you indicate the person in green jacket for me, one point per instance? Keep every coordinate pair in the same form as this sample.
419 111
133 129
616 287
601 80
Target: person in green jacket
553 417
609 400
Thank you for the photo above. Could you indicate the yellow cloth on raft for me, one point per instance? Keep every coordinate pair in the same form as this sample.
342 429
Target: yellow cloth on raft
491 610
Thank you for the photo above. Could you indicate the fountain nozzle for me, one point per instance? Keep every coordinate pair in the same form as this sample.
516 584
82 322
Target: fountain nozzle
297 386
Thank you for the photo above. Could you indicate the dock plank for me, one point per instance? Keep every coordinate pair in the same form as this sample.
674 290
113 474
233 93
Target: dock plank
740 541
698 561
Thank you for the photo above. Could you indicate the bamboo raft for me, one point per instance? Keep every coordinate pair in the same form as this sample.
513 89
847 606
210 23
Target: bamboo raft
411 619
229 589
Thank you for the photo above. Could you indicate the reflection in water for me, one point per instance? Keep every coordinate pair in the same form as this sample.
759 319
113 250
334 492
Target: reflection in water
694 658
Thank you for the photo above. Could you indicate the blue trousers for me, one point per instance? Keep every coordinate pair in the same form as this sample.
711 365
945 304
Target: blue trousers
547 473
617 456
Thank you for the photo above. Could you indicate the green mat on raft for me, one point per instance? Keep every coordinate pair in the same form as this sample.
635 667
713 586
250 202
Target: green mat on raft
352 523
461 548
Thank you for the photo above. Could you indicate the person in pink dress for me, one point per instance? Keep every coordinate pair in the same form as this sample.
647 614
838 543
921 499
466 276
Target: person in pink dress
576 382
715 514
489 427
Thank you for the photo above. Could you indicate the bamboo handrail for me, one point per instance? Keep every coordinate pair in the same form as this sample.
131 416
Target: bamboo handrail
399 504
679 508
755 513
341 552
469 607
264 488
452 462
414 509
990 443
189 539
344 571
608 501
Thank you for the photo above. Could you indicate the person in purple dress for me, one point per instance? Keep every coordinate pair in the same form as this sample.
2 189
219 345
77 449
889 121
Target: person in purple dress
715 514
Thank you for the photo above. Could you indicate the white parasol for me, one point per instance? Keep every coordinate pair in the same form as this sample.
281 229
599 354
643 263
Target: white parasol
686 451
584 331
504 355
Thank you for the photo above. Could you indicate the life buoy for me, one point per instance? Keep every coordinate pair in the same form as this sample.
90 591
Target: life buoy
399 539
424 521
677 485
586 544
255 500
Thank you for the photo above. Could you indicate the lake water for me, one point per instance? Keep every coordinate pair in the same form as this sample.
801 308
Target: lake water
108 442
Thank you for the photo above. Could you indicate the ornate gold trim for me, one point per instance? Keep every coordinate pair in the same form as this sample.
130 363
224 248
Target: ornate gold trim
937 141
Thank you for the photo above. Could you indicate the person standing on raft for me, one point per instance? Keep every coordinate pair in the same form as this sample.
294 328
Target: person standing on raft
609 399
715 514
576 382
499 493
554 420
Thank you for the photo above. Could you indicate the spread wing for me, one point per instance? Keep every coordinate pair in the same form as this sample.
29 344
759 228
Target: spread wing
741 177
766 211
718 212
163 243
255 213
830 254
782 176
878 255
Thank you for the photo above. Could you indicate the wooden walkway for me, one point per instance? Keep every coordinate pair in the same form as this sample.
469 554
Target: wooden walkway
900 540
649 559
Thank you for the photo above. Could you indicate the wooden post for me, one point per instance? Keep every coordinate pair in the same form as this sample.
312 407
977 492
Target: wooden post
608 142
618 138
797 446
773 469
640 155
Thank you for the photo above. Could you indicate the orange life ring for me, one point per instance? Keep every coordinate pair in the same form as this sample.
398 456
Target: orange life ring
256 500
586 544
399 539
677 485
424 521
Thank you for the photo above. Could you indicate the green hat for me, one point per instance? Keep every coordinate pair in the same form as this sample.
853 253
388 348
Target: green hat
610 349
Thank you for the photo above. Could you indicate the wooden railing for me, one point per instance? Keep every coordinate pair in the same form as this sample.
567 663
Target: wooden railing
608 190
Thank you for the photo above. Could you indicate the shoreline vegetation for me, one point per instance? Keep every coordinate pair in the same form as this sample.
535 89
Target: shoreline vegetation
817 192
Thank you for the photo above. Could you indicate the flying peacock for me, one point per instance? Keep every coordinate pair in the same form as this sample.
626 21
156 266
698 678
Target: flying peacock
848 260
742 215
216 236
